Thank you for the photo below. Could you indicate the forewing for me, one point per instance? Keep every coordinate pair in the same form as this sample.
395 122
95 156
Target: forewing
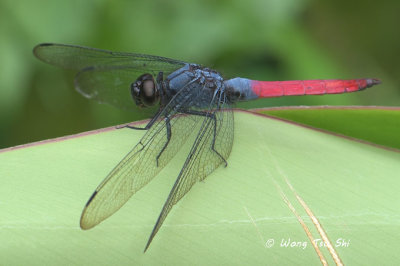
80 57
202 159
140 165
137 168
103 75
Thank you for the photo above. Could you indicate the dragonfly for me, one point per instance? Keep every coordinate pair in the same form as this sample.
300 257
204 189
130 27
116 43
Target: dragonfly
181 97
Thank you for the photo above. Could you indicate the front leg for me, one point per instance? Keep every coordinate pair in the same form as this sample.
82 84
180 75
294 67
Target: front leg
148 126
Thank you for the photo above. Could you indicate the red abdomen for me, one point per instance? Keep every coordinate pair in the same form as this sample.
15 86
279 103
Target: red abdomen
265 89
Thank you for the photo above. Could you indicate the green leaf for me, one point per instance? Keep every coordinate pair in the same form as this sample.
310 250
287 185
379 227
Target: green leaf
351 188
379 125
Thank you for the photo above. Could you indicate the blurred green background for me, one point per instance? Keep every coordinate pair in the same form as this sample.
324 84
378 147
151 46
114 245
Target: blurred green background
264 40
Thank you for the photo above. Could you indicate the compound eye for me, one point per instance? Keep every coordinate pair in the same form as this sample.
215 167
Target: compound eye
148 88
144 91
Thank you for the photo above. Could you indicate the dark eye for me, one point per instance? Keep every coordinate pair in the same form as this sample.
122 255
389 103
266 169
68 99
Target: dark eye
144 91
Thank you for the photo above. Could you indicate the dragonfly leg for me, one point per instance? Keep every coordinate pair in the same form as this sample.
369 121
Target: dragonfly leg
213 141
168 126
148 126
213 117
132 127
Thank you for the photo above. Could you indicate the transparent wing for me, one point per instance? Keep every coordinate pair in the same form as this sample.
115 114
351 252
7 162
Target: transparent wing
80 57
204 157
141 165
105 76
137 169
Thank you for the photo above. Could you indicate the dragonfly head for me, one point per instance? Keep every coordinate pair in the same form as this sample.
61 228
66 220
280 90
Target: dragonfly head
144 91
